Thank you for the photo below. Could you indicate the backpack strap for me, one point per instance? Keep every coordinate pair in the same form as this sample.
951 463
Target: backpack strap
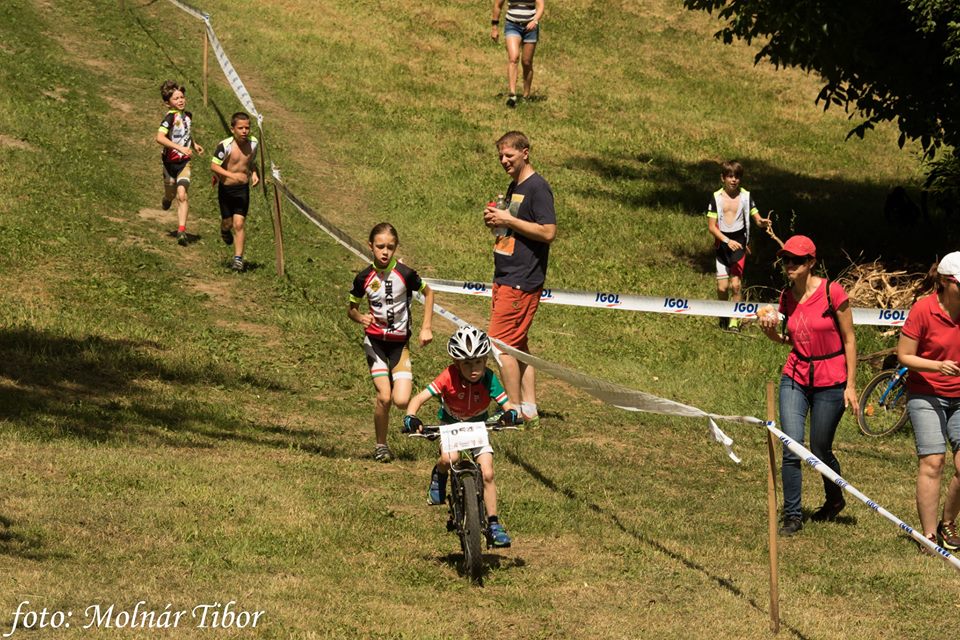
832 312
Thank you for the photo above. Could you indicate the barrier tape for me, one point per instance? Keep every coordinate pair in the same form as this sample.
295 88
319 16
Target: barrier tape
830 474
613 394
196 13
233 78
322 223
668 305
592 299
630 399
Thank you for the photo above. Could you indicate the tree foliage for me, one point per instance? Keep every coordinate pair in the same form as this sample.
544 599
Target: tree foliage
881 60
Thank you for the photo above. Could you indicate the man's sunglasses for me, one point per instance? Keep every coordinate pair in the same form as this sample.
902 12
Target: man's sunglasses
795 261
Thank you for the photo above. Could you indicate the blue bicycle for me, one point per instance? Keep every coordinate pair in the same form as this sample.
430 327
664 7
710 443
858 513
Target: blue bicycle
883 403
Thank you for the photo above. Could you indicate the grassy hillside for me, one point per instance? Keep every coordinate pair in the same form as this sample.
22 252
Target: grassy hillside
175 433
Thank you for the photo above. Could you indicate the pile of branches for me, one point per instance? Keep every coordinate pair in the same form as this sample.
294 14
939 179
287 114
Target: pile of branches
871 285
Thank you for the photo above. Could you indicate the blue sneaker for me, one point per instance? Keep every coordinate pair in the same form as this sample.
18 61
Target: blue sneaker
436 491
498 536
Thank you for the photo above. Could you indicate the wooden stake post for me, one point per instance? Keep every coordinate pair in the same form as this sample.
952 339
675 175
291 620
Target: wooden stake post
772 516
277 221
278 231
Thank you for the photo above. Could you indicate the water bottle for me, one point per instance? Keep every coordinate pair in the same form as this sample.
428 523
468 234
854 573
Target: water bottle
501 203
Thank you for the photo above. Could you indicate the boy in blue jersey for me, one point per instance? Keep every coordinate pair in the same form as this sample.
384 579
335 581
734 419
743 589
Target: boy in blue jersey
728 221
234 168
175 135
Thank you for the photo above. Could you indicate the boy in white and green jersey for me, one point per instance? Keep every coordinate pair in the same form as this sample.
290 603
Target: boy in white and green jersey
728 220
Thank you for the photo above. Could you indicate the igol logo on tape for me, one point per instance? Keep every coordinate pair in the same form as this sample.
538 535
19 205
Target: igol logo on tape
608 299
897 316
748 308
679 305
475 287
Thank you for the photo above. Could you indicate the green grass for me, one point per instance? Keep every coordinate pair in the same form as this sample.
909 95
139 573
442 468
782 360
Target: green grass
174 433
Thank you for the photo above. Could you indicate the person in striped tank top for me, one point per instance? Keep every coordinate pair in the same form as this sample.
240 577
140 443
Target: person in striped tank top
520 34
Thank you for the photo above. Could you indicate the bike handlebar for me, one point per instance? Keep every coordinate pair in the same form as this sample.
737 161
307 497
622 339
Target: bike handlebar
432 432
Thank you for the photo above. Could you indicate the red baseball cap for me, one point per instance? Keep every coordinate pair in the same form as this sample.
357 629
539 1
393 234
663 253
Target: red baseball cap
798 246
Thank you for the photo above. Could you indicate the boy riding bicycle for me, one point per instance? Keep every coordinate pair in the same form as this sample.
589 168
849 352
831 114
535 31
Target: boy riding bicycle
465 389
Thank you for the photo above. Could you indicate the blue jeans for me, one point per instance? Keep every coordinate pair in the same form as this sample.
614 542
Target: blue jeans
825 406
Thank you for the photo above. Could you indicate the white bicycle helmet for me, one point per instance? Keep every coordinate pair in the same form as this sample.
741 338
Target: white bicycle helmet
468 343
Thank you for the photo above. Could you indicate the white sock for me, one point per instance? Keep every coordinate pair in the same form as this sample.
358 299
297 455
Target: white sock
528 409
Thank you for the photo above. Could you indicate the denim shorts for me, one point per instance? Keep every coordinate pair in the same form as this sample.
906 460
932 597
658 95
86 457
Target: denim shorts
518 30
935 421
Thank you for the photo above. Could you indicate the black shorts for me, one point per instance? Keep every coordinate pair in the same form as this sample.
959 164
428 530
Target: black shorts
388 358
176 172
234 200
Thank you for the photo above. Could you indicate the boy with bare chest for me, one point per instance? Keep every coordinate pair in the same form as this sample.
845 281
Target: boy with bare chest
234 168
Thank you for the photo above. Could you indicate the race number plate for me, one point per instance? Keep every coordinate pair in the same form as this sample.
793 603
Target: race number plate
463 435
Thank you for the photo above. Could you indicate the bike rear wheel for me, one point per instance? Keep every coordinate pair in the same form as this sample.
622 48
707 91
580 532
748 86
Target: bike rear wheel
471 536
880 414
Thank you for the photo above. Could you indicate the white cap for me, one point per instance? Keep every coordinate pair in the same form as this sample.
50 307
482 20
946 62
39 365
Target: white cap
950 265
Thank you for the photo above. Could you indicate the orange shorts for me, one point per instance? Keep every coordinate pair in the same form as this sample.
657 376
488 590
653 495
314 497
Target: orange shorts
512 314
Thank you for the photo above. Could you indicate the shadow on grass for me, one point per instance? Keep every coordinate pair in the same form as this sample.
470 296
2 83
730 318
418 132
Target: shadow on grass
100 389
28 546
721 582
491 561
844 217
192 238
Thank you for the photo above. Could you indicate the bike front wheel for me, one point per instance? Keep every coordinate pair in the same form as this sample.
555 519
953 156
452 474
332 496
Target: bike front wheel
471 532
883 409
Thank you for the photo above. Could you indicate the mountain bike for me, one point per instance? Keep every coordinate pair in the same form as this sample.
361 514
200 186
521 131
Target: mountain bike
883 403
467 513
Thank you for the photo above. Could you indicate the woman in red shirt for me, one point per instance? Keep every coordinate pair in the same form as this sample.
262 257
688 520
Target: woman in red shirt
930 347
819 377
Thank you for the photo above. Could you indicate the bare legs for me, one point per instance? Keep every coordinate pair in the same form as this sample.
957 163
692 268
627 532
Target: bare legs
519 380
928 492
398 394
729 288
182 205
514 58
485 461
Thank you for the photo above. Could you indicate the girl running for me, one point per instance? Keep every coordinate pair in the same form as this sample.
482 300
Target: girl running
388 286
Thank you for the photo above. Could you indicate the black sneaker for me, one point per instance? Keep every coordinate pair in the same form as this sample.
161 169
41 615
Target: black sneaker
227 236
512 100
947 536
165 204
791 526
182 238
237 263
829 512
